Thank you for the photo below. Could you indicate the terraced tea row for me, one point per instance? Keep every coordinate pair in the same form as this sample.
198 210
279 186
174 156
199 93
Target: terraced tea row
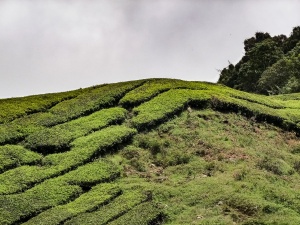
13 108
86 176
62 198
58 138
14 155
83 150
154 87
99 98
84 104
52 193
120 206
99 195
172 102
143 214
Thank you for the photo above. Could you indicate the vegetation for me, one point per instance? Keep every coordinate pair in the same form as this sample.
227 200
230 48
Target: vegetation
15 155
93 199
114 209
59 137
270 65
13 108
155 151
84 150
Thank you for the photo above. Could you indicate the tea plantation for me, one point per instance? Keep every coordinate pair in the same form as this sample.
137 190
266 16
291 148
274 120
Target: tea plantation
154 151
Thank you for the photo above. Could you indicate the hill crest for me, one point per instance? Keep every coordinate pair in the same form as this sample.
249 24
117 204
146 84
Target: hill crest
117 151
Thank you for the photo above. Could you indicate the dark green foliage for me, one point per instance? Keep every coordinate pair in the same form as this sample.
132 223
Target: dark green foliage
270 65
246 75
259 37
283 76
292 41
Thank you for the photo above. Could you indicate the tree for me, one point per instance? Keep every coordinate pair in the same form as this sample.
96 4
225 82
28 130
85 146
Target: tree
283 76
245 75
270 65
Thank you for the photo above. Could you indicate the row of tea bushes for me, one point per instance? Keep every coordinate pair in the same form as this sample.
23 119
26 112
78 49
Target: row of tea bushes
83 150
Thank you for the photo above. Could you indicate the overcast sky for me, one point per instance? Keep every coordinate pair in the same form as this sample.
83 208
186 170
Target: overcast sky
59 45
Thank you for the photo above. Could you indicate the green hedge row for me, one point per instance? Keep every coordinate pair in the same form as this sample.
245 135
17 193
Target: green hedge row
99 171
165 105
83 150
13 108
15 155
93 199
22 178
16 208
49 140
143 214
18 129
111 211
10 134
94 100
71 184
286 118
169 103
153 87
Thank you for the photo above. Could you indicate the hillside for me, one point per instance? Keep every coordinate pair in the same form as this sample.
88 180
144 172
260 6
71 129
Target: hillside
155 151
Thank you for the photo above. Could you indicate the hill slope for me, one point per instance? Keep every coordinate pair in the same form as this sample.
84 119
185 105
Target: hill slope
156 151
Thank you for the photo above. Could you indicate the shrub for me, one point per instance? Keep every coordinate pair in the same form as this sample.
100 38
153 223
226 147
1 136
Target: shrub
59 137
114 209
164 106
95 198
153 87
96 99
83 150
50 193
276 166
13 108
15 155
143 214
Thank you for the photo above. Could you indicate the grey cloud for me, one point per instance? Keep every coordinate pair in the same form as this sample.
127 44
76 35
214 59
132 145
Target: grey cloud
57 45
